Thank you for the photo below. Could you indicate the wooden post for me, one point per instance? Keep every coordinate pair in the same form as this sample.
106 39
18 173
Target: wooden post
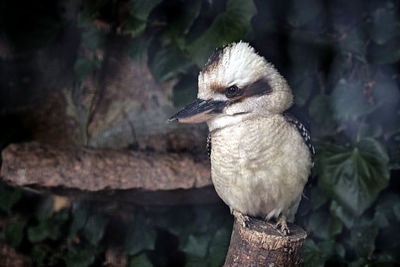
260 244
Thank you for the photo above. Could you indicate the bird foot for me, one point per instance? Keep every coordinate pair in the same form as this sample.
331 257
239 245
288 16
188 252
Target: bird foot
242 219
281 226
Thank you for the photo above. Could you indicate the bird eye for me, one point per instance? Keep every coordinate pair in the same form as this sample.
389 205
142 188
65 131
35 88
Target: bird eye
231 91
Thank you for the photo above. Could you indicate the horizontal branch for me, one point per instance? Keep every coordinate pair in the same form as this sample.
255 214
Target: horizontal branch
50 166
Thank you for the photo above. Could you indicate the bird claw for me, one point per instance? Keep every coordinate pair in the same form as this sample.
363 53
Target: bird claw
242 219
281 226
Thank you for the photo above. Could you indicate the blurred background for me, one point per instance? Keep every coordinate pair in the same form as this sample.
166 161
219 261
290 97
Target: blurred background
90 82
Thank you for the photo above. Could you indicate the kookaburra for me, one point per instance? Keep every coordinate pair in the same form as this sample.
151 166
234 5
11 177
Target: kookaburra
260 156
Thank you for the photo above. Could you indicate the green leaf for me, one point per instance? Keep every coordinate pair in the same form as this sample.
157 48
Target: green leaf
95 228
168 62
349 101
384 25
84 67
141 260
344 215
229 26
93 38
49 226
299 15
354 176
318 224
196 245
315 255
79 218
39 254
385 91
140 236
354 42
370 129
321 110
80 257
91 9
219 246
8 197
136 48
184 16
302 89
387 53
185 91
14 233
193 261
37 233
362 237
386 210
140 11
324 226
318 198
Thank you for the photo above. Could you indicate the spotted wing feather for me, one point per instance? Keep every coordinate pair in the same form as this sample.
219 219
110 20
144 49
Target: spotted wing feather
209 145
304 132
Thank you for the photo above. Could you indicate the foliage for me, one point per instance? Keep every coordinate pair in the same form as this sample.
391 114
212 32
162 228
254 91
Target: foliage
78 236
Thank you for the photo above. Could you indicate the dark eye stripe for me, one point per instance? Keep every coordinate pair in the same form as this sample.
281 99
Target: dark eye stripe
260 87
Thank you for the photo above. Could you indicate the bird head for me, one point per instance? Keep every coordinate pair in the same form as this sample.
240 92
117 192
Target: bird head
236 83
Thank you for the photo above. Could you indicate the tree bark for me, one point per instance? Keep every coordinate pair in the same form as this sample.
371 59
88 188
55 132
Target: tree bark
132 176
260 244
102 169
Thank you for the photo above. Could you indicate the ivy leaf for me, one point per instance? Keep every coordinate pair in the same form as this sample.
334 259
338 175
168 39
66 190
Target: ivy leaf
299 16
348 100
140 260
354 42
140 236
321 110
229 26
386 91
386 210
93 38
14 233
196 244
80 256
302 86
384 25
387 53
362 237
95 227
140 11
323 226
168 62
315 255
84 67
354 176
40 254
344 215
136 48
318 198
185 90
37 233
79 217
219 245
183 17
8 197
49 226
193 261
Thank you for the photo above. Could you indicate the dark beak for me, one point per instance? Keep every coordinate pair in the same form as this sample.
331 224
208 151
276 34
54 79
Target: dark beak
199 111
